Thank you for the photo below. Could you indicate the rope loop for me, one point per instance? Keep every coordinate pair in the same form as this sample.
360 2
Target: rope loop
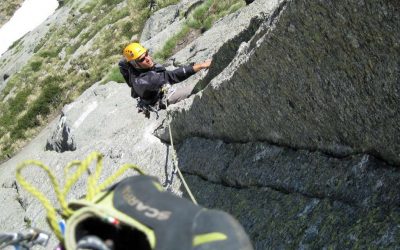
71 178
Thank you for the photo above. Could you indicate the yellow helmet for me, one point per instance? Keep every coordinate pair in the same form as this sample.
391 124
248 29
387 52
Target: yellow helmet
133 51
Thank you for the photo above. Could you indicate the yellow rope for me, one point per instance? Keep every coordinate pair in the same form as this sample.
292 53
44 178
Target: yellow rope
92 185
51 211
176 163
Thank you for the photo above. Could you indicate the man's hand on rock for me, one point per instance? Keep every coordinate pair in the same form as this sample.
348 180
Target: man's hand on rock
204 65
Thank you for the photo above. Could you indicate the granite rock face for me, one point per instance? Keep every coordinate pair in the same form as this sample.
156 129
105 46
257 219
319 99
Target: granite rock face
165 23
288 198
226 35
293 130
277 220
316 75
359 180
103 119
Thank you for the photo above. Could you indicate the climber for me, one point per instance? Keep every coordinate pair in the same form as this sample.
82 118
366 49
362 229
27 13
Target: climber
148 79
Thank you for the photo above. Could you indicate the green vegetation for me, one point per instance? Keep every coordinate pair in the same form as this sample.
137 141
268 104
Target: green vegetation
59 71
210 11
164 3
111 2
48 53
35 65
170 45
202 18
88 8
41 107
16 43
114 75
8 8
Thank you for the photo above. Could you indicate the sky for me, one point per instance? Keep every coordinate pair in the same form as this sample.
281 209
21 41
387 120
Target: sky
26 18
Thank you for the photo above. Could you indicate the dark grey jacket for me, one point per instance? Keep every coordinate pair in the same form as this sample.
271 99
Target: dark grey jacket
148 83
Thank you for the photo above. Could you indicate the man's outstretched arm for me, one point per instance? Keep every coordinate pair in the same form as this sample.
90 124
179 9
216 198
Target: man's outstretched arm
185 72
204 65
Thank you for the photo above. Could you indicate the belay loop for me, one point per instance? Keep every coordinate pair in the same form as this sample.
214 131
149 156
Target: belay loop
146 108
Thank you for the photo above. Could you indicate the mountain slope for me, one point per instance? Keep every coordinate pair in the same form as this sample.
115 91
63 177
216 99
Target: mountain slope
8 9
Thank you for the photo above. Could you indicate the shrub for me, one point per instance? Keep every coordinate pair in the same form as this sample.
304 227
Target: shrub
111 2
127 30
170 45
88 8
114 75
50 97
164 3
15 44
35 65
18 103
49 53
202 19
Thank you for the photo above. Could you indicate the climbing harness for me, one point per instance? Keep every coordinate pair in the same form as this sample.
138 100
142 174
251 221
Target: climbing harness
161 103
145 107
134 213
24 241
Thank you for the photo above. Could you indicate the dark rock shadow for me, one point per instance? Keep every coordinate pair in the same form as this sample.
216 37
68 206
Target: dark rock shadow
169 175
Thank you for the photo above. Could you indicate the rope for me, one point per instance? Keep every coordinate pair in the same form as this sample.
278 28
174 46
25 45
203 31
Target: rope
92 185
51 211
174 158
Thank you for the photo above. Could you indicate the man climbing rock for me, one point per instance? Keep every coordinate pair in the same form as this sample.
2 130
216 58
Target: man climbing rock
149 80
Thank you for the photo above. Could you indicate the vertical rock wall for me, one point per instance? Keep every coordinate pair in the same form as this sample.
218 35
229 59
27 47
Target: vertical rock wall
290 199
318 75
298 135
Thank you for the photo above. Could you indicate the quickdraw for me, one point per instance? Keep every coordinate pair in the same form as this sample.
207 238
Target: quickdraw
162 102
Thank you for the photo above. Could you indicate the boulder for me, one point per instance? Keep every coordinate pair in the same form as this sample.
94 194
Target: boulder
62 139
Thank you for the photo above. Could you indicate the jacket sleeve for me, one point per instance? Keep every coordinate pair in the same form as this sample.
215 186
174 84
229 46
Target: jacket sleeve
154 80
124 69
179 74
